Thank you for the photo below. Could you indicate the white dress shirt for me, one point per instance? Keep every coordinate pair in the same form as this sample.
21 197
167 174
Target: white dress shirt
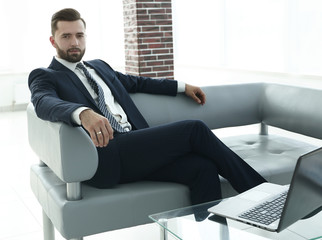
112 105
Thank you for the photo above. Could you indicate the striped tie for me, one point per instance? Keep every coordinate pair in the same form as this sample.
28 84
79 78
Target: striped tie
101 100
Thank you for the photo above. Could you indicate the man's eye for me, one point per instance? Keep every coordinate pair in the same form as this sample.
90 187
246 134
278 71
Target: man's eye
66 36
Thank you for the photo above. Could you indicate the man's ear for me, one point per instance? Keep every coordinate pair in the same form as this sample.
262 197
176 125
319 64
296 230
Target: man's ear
52 41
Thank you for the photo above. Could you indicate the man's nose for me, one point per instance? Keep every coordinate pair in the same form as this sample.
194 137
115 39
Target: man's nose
74 41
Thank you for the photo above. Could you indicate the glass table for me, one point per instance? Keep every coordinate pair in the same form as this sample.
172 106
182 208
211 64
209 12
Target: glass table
195 223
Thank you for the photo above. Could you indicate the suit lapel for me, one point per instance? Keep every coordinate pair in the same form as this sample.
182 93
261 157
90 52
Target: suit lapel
55 65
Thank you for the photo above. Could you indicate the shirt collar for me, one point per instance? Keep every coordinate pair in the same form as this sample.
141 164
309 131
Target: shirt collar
71 66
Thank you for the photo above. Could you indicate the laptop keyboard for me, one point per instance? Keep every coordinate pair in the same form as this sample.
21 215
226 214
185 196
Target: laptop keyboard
267 212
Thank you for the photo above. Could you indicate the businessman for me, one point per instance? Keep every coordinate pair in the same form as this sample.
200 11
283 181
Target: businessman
92 95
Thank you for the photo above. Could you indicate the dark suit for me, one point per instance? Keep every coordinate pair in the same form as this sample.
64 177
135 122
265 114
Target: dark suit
186 152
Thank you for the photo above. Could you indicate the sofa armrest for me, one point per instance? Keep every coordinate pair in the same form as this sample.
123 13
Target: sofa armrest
68 151
293 108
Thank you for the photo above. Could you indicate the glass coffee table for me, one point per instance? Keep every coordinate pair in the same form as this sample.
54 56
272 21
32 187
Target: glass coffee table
195 223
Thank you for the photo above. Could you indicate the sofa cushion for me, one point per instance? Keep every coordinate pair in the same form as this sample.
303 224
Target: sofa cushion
273 156
124 206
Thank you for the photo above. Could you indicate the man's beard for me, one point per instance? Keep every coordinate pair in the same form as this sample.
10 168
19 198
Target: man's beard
71 57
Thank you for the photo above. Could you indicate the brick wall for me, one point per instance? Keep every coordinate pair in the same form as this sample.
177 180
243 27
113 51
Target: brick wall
148 38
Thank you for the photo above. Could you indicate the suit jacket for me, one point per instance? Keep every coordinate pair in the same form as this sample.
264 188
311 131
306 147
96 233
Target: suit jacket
56 92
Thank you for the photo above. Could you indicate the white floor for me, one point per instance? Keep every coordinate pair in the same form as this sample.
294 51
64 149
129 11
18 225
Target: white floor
20 213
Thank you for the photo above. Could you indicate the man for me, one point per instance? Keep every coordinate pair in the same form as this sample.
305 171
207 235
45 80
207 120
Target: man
87 94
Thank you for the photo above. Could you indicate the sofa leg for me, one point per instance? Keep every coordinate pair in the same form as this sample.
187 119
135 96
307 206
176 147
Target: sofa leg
48 227
263 129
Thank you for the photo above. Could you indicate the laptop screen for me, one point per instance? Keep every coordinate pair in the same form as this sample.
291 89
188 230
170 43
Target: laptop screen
305 193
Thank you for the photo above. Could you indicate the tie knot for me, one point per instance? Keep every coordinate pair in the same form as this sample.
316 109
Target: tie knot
80 66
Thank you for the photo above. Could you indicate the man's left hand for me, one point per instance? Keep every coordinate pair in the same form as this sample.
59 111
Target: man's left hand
196 94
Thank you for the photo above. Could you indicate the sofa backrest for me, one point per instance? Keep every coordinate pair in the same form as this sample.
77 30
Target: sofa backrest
292 108
226 106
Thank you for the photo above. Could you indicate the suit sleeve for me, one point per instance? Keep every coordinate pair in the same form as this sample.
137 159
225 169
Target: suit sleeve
134 84
45 98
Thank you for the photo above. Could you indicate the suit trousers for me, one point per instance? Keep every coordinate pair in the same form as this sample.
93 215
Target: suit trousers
185 152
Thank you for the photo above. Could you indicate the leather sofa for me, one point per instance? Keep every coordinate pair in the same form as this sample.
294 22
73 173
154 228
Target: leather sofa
68 157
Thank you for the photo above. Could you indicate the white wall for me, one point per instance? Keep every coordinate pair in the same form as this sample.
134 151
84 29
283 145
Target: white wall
14 92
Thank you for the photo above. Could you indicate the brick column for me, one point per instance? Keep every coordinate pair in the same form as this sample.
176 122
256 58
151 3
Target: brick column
148 38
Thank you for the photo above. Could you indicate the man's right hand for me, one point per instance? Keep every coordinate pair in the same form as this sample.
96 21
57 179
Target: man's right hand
97 126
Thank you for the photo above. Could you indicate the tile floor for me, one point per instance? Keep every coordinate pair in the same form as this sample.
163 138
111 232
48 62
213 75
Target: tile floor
20 213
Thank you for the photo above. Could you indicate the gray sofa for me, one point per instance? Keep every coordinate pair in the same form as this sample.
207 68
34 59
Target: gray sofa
68 156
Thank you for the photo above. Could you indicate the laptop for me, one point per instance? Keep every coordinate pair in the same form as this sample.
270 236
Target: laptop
301 199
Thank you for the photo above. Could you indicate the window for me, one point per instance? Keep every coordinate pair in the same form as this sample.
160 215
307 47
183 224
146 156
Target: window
258 35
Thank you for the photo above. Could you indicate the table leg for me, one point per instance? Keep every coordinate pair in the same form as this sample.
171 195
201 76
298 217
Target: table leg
163 229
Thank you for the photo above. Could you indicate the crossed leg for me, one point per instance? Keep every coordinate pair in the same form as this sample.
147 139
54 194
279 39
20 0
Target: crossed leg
186 152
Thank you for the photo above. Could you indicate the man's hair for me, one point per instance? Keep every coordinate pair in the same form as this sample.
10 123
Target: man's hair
67 14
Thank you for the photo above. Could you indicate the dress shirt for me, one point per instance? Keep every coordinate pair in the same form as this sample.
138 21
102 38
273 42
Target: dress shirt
112 105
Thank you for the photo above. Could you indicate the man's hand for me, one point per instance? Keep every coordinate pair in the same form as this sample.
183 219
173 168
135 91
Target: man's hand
196 94
97 126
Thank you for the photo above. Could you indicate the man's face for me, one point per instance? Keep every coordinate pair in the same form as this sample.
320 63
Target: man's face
70 40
